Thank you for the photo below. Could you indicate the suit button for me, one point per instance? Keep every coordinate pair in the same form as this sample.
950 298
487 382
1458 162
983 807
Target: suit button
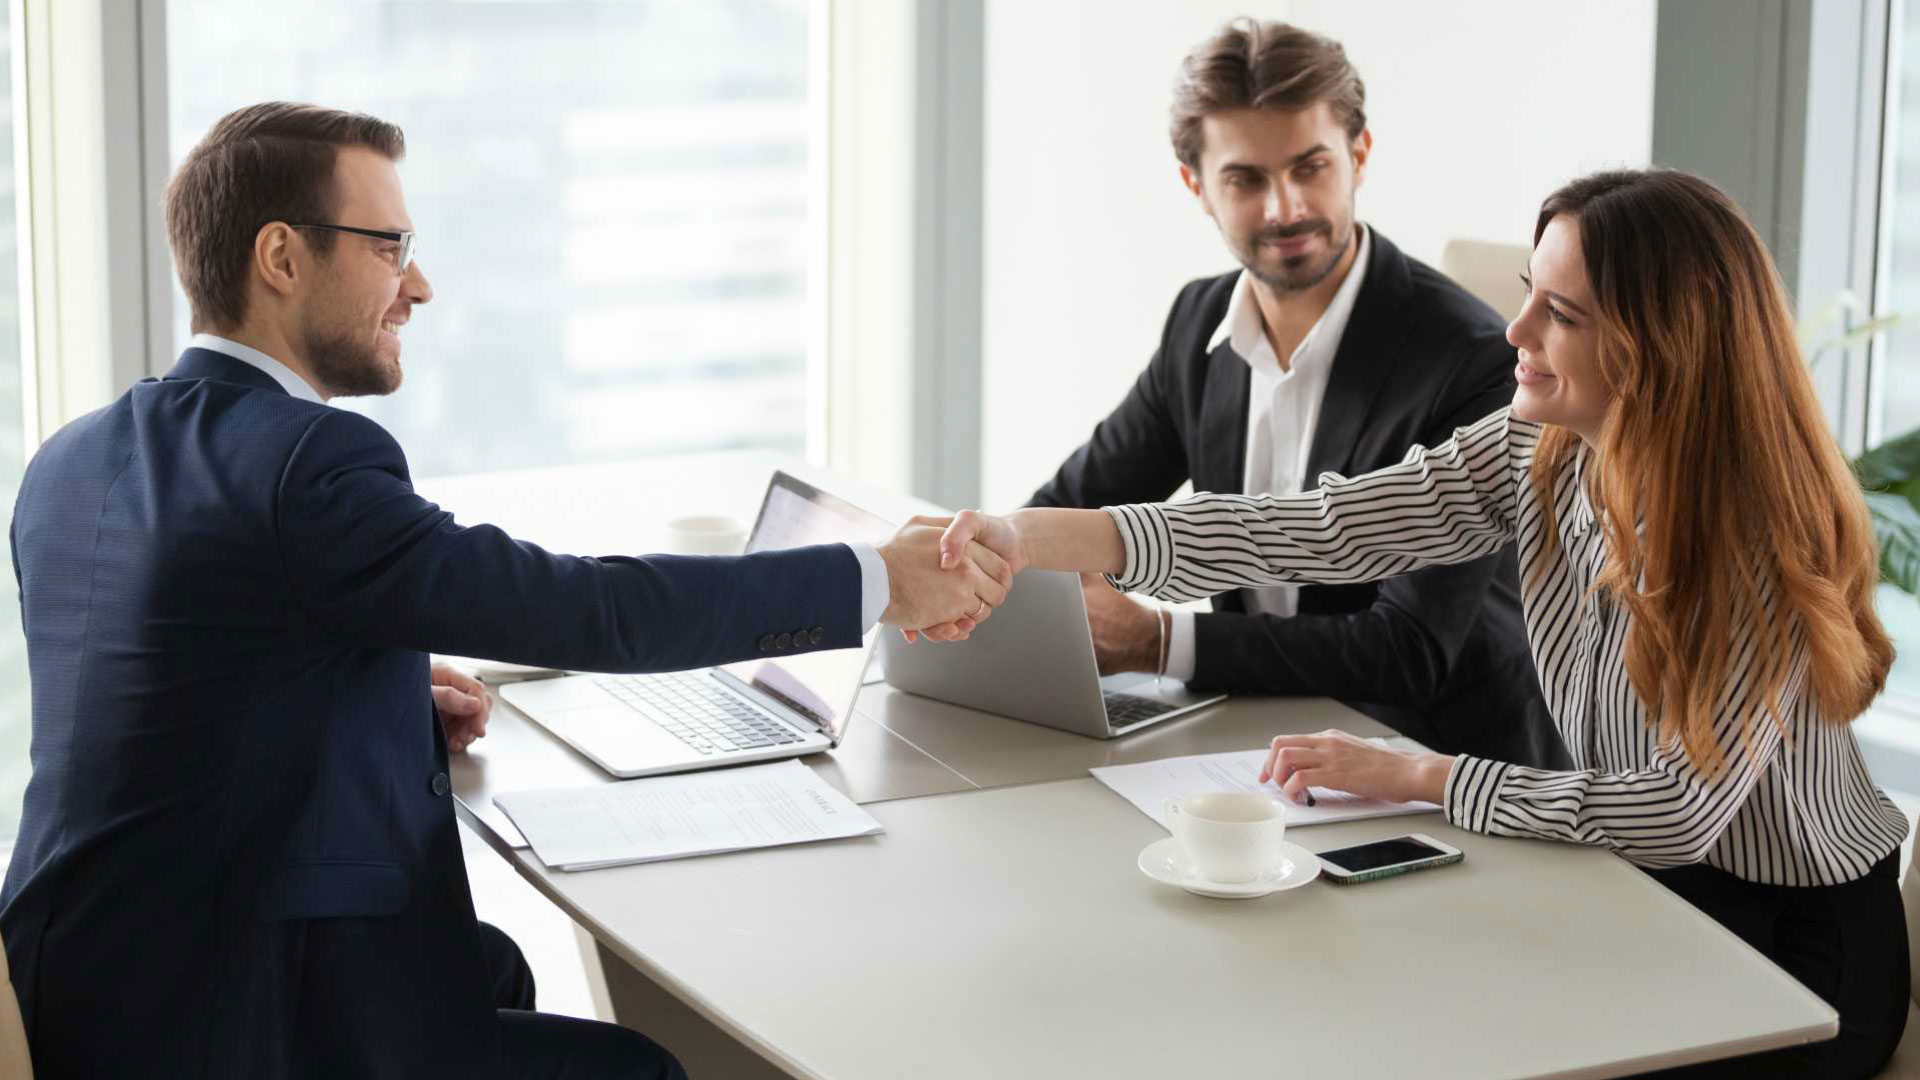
816 636
766 643
784 641
800 638
440 785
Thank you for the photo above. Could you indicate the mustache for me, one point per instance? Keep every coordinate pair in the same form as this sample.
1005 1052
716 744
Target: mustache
1294 231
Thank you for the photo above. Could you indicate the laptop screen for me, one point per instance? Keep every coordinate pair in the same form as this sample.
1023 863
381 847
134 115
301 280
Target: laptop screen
819 685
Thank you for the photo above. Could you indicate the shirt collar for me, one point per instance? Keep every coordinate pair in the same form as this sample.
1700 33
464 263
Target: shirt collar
289 381
1243 329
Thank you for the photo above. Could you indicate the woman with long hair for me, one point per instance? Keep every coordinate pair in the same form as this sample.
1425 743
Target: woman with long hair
1697 569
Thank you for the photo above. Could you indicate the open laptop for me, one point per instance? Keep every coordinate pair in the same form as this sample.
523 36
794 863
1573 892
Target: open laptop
755 710
1033 660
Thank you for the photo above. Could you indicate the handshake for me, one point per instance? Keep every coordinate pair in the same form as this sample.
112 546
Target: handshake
946 575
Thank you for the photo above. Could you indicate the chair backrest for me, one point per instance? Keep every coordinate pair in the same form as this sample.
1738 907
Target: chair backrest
1489 271
14 1063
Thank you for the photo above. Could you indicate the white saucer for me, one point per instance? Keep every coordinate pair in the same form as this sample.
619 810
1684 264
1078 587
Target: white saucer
1165 862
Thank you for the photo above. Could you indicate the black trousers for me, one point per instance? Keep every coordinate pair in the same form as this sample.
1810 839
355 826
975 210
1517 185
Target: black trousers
1847 943
541 1046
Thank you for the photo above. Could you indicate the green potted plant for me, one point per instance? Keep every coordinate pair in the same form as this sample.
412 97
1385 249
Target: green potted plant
1889 473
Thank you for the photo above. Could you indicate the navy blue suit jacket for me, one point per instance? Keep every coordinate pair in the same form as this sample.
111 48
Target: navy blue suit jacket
238 856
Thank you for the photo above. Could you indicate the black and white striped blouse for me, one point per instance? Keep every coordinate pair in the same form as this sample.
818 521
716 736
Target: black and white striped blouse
1798 812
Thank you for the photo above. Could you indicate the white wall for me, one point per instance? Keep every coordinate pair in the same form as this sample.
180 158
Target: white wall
1478 109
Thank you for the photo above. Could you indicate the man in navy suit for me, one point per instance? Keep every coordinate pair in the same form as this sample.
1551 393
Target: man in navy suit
238 855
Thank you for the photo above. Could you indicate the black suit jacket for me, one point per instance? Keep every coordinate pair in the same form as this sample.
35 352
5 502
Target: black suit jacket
238 856
1440 654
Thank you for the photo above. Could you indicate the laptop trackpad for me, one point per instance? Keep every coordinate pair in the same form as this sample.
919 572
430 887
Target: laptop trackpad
567 692
618 737
1171 691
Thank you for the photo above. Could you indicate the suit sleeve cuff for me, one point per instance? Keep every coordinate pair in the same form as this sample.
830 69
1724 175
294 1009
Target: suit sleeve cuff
1473 789
1180 647
874 586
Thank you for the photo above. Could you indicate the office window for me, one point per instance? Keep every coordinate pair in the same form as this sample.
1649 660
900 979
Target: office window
611 197
1895 400
15 696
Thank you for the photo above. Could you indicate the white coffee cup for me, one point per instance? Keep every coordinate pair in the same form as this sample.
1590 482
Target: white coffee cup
705 534
1231 837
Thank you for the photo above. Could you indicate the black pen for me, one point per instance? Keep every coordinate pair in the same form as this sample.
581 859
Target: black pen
1282 786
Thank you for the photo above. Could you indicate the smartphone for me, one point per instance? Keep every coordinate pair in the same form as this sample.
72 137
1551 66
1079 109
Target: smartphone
1385 858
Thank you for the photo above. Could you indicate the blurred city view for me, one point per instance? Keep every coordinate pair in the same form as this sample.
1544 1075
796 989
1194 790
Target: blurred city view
611 201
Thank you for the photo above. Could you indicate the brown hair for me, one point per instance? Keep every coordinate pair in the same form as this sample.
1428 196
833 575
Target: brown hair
1263 65
1749 520
264 163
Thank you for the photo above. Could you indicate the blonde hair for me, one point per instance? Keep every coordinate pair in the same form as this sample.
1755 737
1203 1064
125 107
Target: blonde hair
1714 445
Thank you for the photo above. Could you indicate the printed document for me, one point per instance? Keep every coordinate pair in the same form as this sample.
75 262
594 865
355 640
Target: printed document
671 817
1150 784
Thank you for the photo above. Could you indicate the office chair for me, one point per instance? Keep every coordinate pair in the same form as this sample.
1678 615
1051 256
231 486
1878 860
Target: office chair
1906 1058
1488 271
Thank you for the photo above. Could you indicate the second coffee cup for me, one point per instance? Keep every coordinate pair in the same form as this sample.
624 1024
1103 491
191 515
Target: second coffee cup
705 534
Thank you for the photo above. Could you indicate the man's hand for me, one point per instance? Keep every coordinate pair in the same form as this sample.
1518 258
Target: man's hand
921 594
1126 633
463 704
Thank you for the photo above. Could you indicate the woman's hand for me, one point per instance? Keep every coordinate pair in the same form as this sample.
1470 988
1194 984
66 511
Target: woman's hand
996 534
999 535
952 543
923 592
1045 538
1343 762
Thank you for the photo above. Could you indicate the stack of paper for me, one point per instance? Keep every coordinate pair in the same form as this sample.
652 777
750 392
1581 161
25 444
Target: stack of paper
670 817
1150 784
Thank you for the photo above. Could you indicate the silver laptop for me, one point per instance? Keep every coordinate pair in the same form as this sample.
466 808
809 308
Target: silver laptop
756 710
1033 660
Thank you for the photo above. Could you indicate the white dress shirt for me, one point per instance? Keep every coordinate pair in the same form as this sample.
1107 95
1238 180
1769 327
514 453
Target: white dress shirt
875 589
1794 804
1283 409
289 381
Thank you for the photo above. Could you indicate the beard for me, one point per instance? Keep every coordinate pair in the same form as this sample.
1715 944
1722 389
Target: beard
1297 273
348 367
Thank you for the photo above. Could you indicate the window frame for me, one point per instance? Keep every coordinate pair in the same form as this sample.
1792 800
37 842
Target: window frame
1889 732
83 85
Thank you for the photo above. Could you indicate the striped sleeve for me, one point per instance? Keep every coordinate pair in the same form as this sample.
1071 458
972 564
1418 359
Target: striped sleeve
1454 502
1669 813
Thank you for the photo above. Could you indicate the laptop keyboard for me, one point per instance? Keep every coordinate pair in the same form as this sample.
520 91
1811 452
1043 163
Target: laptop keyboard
693 708
1125 709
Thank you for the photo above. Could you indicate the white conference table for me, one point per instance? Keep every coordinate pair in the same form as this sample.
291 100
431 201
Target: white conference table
1000 927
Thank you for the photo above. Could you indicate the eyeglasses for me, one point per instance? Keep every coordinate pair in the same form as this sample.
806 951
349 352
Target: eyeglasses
405 239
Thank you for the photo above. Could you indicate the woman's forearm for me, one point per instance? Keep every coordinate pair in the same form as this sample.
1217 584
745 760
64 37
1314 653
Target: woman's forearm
1081 540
